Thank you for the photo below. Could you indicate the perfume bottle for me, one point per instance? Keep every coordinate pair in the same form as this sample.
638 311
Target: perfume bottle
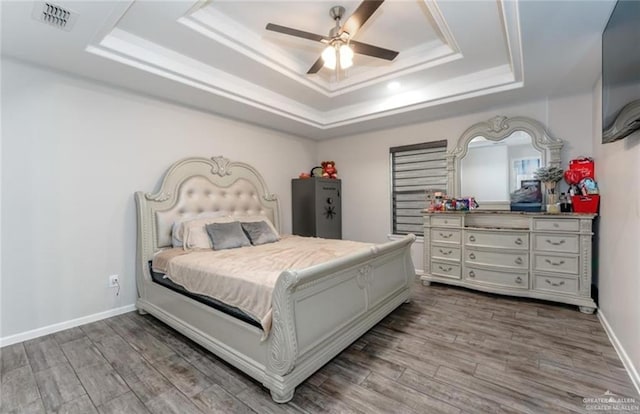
565 205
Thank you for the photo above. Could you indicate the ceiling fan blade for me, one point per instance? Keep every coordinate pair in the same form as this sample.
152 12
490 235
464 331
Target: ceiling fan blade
364 11
370 50
295 32
316 66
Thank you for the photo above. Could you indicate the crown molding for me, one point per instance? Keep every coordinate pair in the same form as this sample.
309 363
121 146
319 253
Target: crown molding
126 48
218 27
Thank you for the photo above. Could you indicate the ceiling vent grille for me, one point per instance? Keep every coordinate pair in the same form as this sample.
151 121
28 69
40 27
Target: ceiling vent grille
54 15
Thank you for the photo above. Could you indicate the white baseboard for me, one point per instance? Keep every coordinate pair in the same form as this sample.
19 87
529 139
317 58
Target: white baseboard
624 357
57 327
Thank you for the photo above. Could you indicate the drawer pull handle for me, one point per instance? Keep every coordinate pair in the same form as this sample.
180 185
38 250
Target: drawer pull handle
472 238
554 284
555 243
448 269
554 225
446 236
446 222
472 273
518 280
518 241
447 253
519 260
560 263
472 256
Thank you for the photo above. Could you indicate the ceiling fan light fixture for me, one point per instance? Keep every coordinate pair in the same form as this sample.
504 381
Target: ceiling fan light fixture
339 54
329 57
346 56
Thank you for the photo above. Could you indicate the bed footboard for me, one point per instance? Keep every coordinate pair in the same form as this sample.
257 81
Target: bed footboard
319 311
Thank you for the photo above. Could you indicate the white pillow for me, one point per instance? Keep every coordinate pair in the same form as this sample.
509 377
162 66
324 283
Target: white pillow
195 232
254 218
177 231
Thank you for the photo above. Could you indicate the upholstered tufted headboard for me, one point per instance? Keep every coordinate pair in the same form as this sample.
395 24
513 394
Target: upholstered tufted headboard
198 194
196 185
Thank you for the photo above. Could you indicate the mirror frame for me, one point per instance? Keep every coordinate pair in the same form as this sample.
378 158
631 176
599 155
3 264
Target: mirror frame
497 129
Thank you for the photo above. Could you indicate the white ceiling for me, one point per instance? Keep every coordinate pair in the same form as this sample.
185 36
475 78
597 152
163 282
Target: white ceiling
455 56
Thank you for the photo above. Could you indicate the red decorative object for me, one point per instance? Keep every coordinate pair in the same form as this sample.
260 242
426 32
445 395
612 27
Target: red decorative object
585 204
583 166
572 177
329 169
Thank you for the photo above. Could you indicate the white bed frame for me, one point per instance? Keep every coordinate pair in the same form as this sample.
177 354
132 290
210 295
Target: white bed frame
317 311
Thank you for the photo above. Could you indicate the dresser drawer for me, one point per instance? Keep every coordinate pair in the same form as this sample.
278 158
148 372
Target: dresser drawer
497 258
554 224
568 243
559 264
555 284
444 252
492 277
446 236
446 221
507 240
445 269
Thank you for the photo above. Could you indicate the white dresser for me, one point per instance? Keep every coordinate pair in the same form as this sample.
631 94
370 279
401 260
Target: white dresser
537 255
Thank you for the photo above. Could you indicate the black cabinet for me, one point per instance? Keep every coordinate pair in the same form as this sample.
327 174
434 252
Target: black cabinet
317 207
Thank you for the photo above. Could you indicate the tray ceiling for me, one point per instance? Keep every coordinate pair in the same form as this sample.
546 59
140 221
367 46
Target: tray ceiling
217 55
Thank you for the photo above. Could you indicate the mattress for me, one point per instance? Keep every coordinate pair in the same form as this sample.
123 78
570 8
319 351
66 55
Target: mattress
245 277
160 279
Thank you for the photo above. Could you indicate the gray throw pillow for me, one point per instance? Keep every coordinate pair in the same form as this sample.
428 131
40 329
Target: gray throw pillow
259 232
227 235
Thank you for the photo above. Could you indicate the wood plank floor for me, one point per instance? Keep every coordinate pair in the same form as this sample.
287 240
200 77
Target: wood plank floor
449 351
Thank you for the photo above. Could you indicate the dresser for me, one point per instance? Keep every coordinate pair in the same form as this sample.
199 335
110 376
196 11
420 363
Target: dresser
536 255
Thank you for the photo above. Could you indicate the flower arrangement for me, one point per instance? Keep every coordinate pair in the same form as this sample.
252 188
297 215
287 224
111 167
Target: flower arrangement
549 174
550 177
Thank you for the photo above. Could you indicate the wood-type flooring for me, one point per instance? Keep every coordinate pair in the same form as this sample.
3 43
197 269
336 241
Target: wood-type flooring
450 350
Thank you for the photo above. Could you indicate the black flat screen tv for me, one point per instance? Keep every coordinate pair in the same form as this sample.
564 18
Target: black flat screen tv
621 72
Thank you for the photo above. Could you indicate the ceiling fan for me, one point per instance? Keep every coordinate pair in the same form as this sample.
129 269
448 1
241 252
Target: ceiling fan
340 46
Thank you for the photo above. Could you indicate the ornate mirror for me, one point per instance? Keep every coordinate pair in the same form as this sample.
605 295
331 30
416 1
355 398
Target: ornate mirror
494 158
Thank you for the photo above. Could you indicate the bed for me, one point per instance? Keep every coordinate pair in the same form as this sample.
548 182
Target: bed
317 311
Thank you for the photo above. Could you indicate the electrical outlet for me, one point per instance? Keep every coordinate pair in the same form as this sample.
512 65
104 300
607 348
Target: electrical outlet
114 281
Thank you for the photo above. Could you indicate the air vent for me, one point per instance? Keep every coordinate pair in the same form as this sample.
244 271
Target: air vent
54 15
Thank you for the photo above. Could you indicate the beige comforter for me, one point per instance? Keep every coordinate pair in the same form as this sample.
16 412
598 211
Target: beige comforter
245 277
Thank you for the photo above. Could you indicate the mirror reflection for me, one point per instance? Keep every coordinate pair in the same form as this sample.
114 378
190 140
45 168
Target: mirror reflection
491 170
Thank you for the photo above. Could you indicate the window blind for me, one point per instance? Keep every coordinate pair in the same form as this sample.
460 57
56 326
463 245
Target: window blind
415 169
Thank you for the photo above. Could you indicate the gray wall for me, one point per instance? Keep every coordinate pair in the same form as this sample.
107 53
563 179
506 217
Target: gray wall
618 174
74 152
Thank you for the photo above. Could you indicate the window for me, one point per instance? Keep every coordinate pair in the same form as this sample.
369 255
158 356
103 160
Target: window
524 169
415 169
